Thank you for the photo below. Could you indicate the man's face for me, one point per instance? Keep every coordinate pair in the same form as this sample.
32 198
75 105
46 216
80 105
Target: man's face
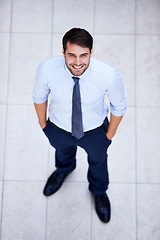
77 58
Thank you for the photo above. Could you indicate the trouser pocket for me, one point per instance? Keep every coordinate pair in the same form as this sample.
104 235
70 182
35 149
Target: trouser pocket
105 124
46 129
105 127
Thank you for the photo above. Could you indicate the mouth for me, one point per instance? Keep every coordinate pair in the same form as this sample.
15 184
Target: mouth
77 67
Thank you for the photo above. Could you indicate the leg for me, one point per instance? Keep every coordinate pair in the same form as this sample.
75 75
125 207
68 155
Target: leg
98 174
65 160
65 157
96 145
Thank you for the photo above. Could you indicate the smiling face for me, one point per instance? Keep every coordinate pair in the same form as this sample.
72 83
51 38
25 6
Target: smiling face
77 58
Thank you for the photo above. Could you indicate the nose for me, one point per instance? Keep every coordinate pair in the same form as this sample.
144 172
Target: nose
77 61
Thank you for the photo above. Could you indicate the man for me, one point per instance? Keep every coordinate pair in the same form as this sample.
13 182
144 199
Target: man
78 114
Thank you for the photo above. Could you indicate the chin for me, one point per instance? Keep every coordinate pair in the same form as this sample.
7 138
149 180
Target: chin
78 73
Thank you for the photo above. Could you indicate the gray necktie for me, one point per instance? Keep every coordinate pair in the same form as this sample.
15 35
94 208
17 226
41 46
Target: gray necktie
77 128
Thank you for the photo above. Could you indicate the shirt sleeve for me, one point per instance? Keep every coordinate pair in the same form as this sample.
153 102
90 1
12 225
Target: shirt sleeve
41 89
117 95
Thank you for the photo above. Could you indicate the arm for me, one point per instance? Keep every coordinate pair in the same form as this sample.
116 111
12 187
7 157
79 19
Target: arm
41 110
113 125
117 96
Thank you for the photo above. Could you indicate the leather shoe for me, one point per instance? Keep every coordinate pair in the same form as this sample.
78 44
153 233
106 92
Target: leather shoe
102 207
54 183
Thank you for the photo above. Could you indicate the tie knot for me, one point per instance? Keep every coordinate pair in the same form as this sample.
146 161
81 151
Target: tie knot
76 80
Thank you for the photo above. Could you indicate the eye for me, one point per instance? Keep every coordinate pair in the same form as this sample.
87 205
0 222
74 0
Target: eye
71 55
83 55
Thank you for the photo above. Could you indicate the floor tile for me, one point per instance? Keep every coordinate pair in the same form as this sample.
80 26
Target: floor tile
122 224
5 10
0 202
121 154
27 51
69 213
148 215
69 14
148 21
4 58
26 148
119 52
2 134
148 154
24 214
27 159
114 17
57 44
148 71
32 16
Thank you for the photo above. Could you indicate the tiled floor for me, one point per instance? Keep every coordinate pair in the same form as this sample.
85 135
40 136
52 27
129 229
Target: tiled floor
126 35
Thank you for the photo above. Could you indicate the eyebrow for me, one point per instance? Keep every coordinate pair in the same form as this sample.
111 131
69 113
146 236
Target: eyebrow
75 54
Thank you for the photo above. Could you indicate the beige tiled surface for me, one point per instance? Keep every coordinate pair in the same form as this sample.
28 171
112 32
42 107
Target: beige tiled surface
148 132
69 213
114 17
148 214
148 71
148 21
5 15
0 201
32 16
25 160
4 56
123 218
27 51
24 211
122 163
126 35
68 14
57 44
2 141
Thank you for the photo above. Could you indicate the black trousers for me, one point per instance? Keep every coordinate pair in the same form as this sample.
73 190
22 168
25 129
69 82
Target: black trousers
94 142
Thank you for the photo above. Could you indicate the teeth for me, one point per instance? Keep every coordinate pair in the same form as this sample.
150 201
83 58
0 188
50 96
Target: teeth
77 67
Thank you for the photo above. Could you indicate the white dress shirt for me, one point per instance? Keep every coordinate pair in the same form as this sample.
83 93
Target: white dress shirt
53 77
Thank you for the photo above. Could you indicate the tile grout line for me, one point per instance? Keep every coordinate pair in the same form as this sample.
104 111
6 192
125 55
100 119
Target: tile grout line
80 182
6 117
46 220
51 50
46 215
135 68
91 215
102 34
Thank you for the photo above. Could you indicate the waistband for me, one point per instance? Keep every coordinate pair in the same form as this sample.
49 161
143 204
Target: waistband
85 133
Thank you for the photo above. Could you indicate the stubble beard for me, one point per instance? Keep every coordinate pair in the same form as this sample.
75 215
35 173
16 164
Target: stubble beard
77 72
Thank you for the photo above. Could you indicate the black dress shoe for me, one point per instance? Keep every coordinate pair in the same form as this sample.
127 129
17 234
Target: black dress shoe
54 183
102 207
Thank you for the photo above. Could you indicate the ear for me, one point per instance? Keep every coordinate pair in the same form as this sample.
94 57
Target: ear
63 52
91 51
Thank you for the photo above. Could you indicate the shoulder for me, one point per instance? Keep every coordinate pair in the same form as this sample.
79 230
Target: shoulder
53 63
103 68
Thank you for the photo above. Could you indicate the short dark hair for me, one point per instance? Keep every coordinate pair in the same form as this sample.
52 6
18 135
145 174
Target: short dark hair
78 36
